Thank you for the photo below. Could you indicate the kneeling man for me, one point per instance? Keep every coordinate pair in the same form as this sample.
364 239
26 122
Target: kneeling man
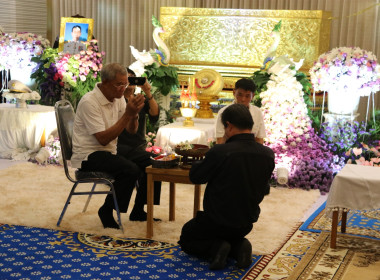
237 175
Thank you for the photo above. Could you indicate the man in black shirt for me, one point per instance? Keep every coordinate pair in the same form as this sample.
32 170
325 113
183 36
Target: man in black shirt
132 147
237 175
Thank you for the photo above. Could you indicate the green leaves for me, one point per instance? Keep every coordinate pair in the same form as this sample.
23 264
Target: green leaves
164 78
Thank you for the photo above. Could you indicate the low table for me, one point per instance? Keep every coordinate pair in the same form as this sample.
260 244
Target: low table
355 187
171 175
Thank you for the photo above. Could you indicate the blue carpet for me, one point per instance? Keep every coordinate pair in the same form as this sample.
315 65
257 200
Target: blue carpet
36 253
359 223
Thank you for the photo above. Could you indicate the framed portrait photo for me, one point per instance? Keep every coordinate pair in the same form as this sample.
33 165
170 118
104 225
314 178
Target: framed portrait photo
74 33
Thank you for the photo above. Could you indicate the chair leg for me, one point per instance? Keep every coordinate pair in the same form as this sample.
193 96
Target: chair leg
66 204
89 198
117 208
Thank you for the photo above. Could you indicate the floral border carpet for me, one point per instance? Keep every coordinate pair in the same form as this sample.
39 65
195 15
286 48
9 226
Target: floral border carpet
36 253
363 223
354 258
279 265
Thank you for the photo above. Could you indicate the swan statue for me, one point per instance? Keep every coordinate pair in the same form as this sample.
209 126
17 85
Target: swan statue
160 55
283 60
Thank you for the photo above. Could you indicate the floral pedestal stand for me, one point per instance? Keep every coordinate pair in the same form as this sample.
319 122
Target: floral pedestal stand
342 103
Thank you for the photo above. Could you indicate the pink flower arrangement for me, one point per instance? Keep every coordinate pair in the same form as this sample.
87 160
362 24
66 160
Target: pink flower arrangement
84 65
365 155
150 138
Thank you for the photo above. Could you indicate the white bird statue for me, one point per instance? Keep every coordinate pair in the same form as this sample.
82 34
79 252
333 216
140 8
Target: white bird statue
160 55
283 60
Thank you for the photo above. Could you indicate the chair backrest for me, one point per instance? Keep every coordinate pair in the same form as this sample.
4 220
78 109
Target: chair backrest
65 115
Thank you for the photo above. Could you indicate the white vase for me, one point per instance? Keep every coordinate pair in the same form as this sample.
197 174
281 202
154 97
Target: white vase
343 103
23 75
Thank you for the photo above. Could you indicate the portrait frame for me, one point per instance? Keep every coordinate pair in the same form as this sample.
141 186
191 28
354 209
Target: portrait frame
67 23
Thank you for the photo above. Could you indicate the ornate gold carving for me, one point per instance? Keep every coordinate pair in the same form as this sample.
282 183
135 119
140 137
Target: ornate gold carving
234 41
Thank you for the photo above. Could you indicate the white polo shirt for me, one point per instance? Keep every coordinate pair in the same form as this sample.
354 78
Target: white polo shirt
258 128
94 114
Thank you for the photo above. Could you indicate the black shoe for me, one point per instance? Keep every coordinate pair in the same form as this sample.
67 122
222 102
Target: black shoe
140 217
243 255
220 259
106 218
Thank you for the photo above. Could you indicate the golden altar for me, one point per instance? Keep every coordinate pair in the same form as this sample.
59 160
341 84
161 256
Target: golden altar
235 41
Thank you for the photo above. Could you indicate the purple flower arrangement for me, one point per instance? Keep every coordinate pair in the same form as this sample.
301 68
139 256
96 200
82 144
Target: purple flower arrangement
17 49
343 135
346 69
307 157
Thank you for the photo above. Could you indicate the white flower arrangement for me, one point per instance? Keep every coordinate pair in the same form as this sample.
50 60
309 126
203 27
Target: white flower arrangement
17 49
346 69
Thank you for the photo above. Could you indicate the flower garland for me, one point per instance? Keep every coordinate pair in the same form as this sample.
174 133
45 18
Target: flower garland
17 49
290 135
346 69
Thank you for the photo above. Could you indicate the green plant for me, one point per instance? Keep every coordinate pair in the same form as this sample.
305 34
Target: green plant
163 78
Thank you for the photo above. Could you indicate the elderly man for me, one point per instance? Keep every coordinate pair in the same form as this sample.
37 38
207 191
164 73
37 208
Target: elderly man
237 175
101 116
243 93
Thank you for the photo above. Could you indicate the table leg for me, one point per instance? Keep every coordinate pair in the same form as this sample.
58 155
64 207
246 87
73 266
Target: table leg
344 221
334 229
149 221
197 199
172 202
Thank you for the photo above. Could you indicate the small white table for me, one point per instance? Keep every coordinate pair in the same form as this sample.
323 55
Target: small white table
24 129
174 133
355 187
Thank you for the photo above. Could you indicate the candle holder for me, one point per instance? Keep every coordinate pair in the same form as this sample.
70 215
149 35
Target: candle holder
188 114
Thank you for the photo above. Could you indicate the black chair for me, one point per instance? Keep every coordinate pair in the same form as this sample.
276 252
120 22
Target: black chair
65 115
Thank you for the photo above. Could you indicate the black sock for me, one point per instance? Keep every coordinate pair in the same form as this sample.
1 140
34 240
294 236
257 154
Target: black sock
106 217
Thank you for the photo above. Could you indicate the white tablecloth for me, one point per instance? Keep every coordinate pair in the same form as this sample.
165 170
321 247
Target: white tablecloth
355 187
21 129
174 133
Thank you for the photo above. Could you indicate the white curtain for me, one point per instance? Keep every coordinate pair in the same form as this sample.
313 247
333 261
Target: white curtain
23 15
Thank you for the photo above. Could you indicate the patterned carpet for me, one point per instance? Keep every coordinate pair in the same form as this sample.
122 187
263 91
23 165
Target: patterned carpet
355 258
279 265
35 253
360 223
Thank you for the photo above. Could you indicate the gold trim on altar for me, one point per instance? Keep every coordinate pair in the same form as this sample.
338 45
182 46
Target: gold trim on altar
234 41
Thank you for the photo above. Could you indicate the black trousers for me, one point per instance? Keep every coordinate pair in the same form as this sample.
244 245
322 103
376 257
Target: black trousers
202 237
142 159
125 172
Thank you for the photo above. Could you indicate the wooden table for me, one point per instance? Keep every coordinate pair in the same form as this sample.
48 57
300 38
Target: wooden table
355 187
171 175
